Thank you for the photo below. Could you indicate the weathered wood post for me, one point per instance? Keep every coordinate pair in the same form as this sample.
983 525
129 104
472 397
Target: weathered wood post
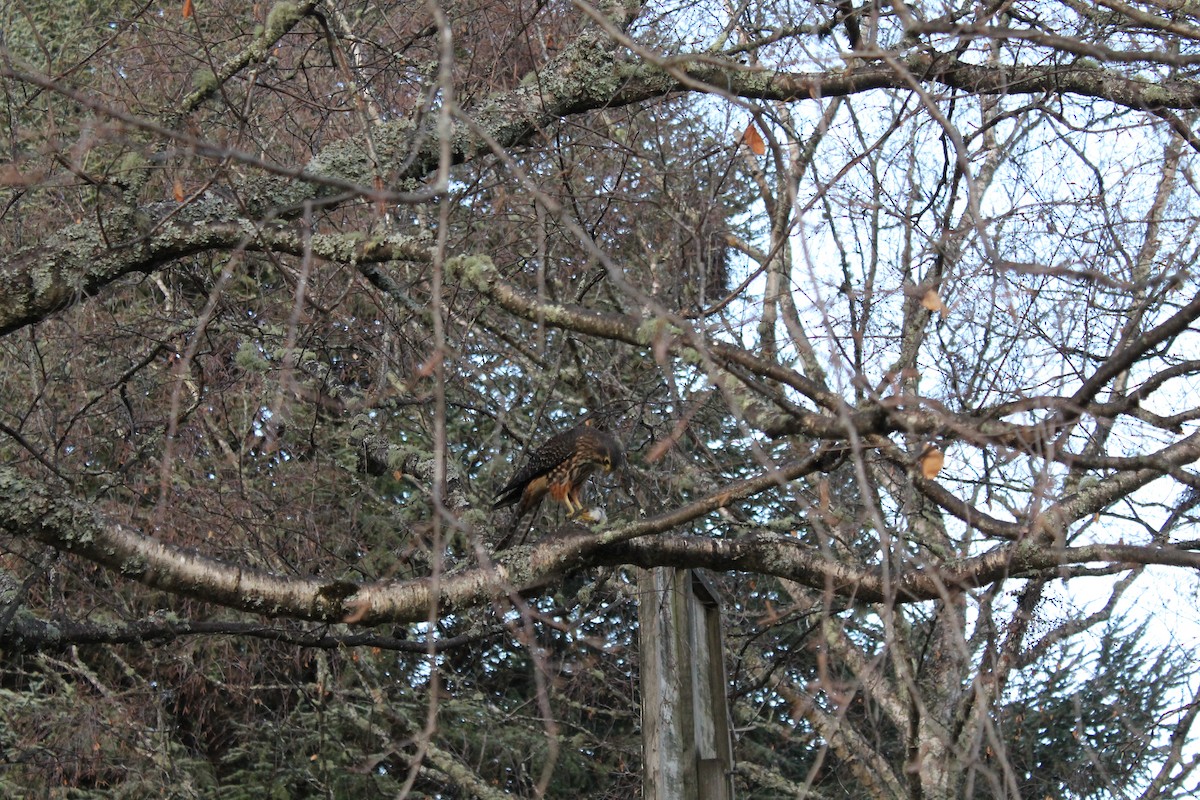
687 745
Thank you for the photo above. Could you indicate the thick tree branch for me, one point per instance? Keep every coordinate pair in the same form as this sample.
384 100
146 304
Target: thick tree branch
791 558
78 261
30 509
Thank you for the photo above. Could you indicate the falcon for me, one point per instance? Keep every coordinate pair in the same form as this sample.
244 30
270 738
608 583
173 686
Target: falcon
559 468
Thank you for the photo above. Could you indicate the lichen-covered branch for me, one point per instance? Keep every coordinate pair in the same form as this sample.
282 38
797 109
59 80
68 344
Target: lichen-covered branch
31 509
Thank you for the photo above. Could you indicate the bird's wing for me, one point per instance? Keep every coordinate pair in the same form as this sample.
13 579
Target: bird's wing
556 450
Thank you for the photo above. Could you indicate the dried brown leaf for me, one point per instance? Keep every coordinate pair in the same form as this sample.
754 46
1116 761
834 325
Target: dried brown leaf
933 301
931 462
754 140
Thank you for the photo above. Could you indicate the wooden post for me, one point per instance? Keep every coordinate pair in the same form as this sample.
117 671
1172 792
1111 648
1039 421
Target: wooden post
687 746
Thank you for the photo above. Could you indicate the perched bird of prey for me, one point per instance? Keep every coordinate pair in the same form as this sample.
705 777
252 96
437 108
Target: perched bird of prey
559 467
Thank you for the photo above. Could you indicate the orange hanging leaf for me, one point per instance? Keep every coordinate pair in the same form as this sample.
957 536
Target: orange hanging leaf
932 460
933 301
754 140
188 9
177 191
